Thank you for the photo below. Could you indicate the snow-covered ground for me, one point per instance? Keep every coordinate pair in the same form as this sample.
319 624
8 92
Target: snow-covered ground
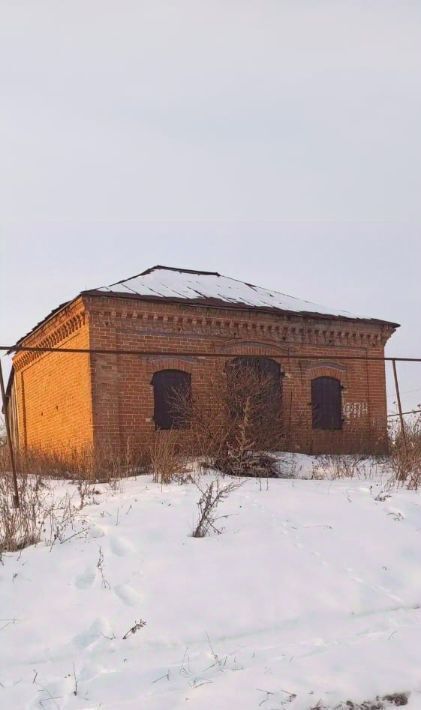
311 593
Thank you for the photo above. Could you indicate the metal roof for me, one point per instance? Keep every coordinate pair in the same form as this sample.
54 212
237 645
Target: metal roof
209 288
212 289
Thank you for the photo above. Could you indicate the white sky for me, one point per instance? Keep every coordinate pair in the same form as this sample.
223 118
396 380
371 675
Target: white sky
273 141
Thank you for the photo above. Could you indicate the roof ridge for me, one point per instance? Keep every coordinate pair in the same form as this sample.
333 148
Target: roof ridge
165 268
212 273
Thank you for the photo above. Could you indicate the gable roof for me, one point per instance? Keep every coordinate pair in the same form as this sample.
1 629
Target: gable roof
212 289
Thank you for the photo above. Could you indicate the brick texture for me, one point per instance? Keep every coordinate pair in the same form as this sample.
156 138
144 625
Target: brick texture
53 391
106 401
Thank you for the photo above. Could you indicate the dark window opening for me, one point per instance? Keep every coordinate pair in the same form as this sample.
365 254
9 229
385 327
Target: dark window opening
172 394
326 403
262 366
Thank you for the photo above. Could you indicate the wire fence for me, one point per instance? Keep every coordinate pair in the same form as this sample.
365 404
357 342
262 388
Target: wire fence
180 353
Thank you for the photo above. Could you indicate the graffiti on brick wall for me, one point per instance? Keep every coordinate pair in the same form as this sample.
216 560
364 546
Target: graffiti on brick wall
355 410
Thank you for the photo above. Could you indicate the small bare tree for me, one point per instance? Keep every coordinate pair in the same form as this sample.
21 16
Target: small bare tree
230 428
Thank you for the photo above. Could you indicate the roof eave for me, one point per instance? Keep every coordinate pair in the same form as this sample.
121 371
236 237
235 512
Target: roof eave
55 312
219 303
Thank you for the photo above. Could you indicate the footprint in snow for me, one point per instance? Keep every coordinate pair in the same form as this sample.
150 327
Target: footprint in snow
120 546
97 630
85 579
94 532
128 595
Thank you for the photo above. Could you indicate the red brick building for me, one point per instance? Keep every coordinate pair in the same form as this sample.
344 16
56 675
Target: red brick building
68 401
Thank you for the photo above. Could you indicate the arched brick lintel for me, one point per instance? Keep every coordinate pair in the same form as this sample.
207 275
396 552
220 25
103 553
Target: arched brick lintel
165 363
264 348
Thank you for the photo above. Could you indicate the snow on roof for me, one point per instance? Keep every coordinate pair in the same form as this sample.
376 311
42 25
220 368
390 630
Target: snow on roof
212 288
207 288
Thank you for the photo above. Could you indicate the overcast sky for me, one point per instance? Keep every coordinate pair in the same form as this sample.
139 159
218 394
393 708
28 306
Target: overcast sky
274 141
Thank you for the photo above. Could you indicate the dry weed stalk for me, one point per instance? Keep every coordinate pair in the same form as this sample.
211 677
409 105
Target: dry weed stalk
211 496
337 466
405 454
41 514
133 629
21 526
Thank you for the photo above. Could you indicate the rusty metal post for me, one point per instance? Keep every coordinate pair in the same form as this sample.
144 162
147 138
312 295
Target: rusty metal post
398 398
9 439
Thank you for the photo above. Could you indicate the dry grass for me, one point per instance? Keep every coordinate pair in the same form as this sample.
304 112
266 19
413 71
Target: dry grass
380 703
333 467
405 456
20 527
41 514
402 464
167 462
76 464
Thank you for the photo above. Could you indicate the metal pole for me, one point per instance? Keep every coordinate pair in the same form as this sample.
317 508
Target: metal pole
9 439
398 398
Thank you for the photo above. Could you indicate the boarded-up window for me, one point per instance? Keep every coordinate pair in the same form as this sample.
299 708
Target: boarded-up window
172 392
326 402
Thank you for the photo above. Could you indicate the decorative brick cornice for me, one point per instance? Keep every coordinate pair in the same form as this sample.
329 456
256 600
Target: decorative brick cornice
253 327
56 335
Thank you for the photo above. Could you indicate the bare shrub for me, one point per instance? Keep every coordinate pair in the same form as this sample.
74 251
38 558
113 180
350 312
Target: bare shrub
211 497
20 527
240 419
166 460
405 453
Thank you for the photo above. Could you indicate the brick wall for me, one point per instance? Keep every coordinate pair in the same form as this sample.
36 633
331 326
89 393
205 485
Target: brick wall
74 401
53 391
123 395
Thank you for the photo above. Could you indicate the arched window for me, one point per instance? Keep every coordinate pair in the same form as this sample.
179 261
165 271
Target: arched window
172 393
326 403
